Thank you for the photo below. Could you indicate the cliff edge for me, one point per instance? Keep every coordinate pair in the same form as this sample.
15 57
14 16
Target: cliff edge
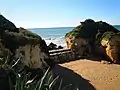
21 43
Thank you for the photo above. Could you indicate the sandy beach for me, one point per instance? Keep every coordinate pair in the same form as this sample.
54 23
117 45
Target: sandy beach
89 75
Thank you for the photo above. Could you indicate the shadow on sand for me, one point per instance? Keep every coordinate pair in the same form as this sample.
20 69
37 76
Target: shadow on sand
70 77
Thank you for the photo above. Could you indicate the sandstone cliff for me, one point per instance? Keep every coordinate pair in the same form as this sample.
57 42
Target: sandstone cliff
87 39
21 43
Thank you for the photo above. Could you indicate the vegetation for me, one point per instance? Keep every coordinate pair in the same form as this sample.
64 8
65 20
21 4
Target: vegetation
93 32
27 33
7 25
14 75
108 35
90 29
17 78
85 30
47 82
11 38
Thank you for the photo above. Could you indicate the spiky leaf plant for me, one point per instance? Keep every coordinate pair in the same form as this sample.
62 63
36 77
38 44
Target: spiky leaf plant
24 82
47 82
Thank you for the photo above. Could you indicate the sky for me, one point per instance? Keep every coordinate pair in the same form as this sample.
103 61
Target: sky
59 13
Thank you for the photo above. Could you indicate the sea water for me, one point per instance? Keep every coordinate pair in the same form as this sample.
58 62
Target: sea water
55 35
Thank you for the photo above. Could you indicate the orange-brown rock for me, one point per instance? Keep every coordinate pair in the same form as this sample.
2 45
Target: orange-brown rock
111 42
95 38
81 46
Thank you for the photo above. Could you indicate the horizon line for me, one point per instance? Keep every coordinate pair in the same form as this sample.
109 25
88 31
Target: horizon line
62 27
55 27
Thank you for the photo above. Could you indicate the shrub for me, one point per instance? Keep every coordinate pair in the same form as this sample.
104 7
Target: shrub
47 82
19 79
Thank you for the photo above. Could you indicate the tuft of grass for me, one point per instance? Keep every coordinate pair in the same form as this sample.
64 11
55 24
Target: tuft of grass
47 82
22 80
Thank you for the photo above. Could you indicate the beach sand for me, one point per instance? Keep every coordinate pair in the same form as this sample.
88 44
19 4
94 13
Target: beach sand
89 75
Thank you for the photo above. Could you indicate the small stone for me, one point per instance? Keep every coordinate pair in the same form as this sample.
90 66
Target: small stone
105 62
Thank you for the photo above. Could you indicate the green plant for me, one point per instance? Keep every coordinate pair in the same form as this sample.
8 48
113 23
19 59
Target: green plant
47 82
24 82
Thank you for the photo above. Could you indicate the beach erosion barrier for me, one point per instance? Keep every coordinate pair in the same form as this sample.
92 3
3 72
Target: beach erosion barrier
62 55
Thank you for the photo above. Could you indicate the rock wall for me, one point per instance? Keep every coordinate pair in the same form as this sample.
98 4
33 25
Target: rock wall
21 43
32 56
112 46
80 46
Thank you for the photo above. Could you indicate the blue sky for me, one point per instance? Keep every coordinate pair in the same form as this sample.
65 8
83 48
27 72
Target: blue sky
59 13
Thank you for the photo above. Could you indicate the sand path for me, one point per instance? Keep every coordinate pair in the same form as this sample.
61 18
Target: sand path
90 75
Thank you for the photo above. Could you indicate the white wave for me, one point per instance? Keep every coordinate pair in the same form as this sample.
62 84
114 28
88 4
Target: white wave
59 41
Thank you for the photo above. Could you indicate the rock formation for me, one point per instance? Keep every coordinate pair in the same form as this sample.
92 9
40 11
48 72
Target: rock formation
94 38
52 46
111 42
21 43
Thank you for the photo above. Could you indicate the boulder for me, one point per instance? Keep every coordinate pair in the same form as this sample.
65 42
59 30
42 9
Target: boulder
86 39
60 47
52 46
21 43
80 46
111 42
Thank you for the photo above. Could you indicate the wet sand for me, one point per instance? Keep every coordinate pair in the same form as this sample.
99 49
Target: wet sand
89 75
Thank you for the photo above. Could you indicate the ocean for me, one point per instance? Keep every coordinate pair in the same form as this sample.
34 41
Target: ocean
56 35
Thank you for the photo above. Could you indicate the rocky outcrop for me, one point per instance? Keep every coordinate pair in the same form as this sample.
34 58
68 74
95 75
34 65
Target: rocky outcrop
32 56
21 43
87 39
60 47
79 45
52 46
111 42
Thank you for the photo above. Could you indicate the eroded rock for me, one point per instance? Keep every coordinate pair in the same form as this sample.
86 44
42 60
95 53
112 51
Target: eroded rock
111 42
21 43
52 46
79 45
87 39
32 56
